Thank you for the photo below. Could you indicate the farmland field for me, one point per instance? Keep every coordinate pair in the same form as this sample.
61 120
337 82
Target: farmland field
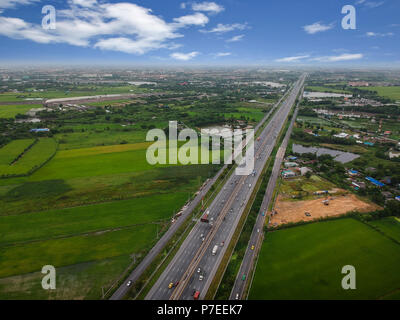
387 92
389 226
86 212
12 150
32 159
10 111
305 262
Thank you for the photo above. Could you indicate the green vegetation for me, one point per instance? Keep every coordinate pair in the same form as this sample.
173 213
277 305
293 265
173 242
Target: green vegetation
390 226
387 92
31 159
313 270
10 111
10 152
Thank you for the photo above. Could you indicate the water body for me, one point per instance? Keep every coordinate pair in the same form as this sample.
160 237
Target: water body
339 156
325 95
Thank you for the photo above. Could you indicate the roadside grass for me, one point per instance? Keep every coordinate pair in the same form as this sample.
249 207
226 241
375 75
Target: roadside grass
85 219
31 257
305 262
80 281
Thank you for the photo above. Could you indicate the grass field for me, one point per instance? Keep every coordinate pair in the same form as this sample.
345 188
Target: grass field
87 210
387 92
12 150
305 262
32 159
389 226
79 281
10 111
304 187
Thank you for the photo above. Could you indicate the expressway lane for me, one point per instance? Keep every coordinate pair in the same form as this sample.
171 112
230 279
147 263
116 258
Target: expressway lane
225 210
123 289
257 234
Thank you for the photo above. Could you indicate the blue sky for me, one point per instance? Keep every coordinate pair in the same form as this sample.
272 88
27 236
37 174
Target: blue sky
170 32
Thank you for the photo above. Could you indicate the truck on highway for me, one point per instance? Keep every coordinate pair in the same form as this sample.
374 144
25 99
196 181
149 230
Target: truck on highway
204 218
214 250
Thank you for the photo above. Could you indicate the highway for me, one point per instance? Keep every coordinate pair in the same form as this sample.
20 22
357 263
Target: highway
123 289
194 265
257 234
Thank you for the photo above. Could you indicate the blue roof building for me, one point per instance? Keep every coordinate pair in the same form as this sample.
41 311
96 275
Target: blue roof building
375 182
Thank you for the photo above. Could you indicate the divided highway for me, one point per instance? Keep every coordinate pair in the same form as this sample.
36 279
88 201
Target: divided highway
257 234
196 262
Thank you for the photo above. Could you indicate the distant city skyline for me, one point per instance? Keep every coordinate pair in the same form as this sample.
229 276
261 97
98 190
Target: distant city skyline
283 33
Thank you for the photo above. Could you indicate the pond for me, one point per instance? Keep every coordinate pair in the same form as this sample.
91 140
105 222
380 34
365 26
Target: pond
339 156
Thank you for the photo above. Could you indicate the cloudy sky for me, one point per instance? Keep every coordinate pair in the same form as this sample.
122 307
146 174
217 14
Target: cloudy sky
273 32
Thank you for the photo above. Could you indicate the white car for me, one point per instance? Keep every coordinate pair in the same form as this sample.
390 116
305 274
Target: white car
201 277
129 283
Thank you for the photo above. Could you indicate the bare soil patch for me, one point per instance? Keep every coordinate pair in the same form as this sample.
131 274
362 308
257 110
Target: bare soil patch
295 211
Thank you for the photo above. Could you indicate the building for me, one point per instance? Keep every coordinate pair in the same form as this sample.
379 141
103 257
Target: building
375 182
288 174
304 170
342 135
291 164
353 173
40 130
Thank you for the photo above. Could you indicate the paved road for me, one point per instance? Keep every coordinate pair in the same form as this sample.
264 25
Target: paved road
145 263
256 237
195 258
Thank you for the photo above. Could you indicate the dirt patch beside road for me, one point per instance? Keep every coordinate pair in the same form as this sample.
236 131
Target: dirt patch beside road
294 211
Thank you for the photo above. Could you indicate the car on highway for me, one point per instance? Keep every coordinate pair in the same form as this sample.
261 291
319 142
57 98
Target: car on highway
222 243
170 285
201 277
176 284
237 296
249 185
244 277
263 214
196 295
198 270
129 283
252 247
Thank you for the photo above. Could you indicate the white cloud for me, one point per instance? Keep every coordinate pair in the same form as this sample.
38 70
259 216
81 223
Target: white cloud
184 56
223 28
342 57
292 59
84 3
125 27
377 34
370 4
198 19
317 27
236 38
210 7
7 4
223 54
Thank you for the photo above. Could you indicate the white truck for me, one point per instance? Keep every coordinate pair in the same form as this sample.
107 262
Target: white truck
214 250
